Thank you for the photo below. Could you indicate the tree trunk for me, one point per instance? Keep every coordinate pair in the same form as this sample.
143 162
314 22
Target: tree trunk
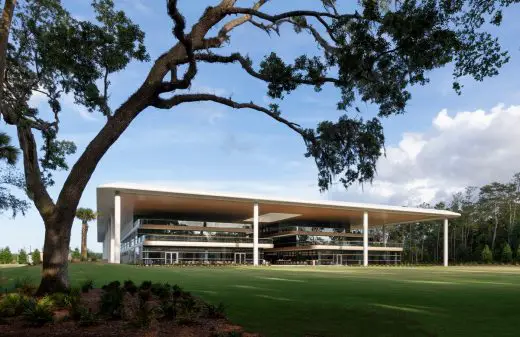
55 276
84 230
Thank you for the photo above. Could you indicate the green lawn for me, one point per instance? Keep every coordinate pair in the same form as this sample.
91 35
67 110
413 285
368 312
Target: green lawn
340 301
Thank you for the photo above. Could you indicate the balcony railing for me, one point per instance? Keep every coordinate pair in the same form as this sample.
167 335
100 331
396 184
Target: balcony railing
202 238
350 243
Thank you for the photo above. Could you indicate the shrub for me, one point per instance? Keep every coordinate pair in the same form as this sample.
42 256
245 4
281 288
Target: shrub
507 254
36 257
161 290
24 286
22 256
112 300
518 254
130 287
487 255
73 300
38 312
86 317
87 285
145 285
146 312
12 305
59 300
212 311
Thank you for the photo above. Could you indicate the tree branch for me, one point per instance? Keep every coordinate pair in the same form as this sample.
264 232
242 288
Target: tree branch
185 98
246 64
178 31
33 178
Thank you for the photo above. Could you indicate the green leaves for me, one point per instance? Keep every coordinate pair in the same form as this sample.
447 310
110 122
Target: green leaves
348 149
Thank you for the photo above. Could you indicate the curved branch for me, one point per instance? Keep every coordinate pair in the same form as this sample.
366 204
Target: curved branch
178 31
185 98
33 178
246 64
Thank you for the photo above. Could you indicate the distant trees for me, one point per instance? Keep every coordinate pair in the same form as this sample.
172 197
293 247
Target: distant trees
75 255
487 256
6 256
22 256
36 257
489 225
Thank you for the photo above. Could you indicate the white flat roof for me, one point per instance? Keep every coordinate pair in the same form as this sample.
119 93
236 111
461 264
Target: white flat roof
146 198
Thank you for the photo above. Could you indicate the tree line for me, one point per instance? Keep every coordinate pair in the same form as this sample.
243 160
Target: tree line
488 229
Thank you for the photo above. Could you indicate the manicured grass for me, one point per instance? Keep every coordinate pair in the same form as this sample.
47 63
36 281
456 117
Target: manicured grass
339 301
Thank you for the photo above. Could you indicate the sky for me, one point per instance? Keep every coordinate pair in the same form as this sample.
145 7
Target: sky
443 143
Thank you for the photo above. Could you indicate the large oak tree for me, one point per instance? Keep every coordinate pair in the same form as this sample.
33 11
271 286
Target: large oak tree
373 54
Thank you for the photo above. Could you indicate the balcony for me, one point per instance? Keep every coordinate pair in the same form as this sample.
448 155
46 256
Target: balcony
203 238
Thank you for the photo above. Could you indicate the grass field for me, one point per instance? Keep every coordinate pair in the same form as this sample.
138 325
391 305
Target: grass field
340 301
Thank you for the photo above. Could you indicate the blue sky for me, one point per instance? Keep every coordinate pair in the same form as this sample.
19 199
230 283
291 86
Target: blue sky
442 144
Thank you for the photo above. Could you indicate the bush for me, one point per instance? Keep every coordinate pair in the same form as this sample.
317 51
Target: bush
518 254
487 255
6 256
12 305
162 291
73 300
212 311
507 254
86 317
60 300
112 300
146 312
145 285
130 287
38 312
36 257
22 256
87 285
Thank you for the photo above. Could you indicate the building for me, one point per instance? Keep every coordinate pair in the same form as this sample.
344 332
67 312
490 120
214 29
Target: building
152 225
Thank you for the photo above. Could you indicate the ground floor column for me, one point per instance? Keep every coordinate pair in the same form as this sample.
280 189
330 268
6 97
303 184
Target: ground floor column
365 239
255 234
445 242
117 228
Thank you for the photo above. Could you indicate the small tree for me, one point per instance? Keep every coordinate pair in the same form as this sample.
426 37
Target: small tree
36 257
6 256
487 255
22 256
76 255
85 215
507 254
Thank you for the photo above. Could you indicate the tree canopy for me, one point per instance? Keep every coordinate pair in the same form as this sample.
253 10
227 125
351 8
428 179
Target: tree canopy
373 54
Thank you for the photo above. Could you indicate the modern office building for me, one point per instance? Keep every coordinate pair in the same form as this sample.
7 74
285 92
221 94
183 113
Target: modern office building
153 225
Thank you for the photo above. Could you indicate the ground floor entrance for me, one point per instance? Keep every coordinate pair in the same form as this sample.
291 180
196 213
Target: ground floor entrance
171 257
240 258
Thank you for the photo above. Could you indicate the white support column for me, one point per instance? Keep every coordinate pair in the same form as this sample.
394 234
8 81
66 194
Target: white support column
445 242
117 228
365 239
111 256
255 234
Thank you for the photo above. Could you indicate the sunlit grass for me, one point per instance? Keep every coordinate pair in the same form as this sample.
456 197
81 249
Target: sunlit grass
339 301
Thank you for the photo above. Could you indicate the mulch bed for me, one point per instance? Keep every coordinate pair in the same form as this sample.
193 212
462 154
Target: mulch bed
62 326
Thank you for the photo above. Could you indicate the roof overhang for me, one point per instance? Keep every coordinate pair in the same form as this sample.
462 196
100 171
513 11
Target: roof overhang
227 207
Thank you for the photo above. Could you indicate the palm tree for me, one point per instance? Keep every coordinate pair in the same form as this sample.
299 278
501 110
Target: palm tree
85 215
7 151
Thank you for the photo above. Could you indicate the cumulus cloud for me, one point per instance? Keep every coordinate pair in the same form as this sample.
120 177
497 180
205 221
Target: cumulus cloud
460 149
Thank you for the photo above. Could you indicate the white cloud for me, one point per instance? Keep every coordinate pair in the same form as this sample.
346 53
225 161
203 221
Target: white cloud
462 149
